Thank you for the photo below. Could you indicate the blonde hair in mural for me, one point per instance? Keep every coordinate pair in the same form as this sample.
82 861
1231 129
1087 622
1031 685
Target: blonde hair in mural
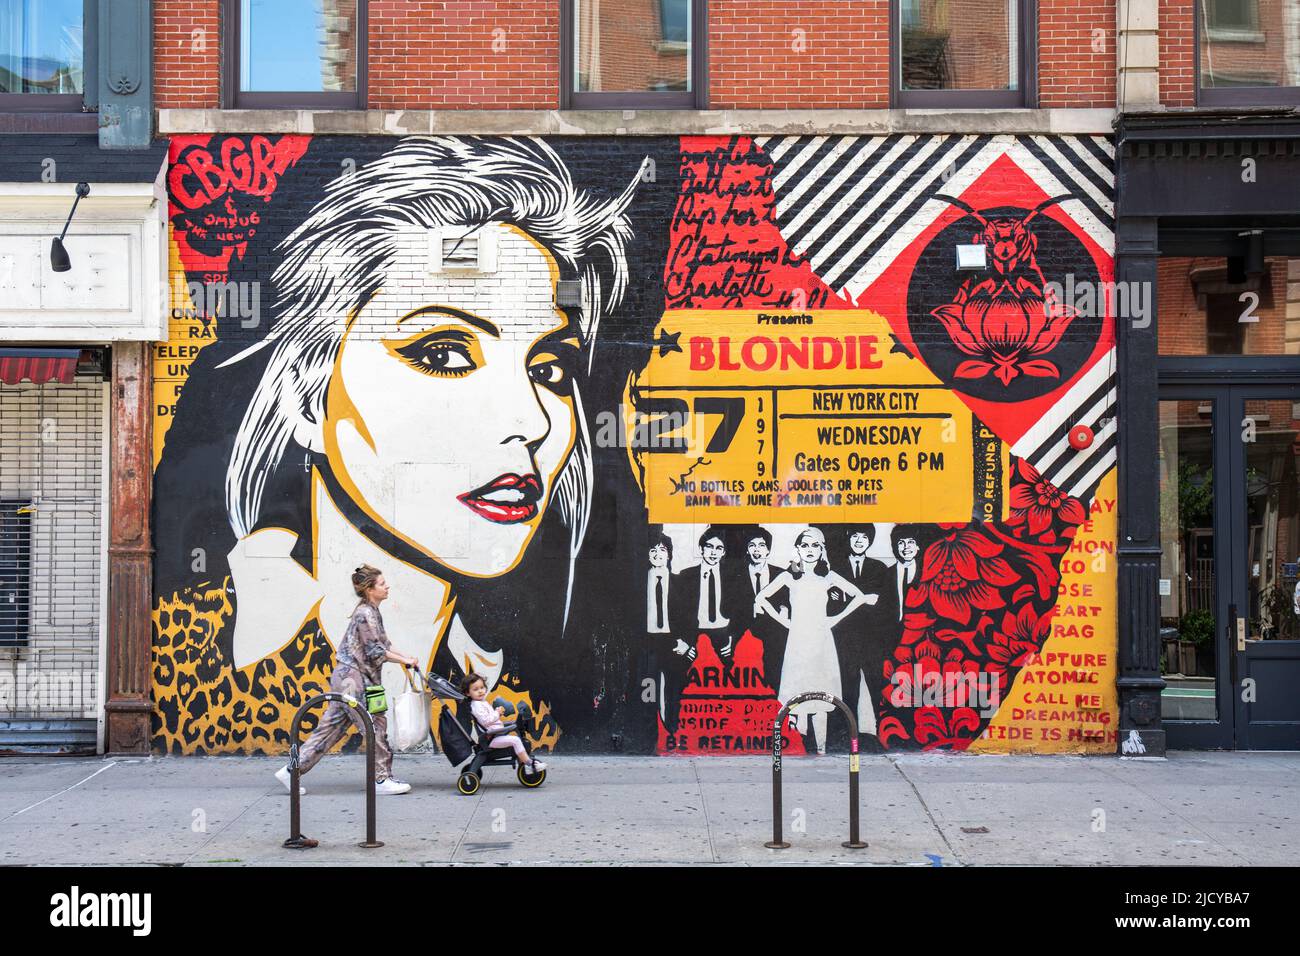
338 258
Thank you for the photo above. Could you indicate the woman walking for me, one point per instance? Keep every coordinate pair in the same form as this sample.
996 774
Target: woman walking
359 662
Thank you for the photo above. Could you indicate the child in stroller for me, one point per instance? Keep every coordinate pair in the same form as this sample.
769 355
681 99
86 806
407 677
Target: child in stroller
470 726
491 721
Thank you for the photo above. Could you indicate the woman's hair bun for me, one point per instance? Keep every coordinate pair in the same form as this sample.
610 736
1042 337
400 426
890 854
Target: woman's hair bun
364 578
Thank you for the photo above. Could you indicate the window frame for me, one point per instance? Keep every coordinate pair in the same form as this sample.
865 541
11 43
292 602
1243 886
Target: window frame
1026 97
67 102
696 99
233 98
1236 95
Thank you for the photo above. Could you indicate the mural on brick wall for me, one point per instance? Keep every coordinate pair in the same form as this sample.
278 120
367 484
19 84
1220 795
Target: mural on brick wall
654 433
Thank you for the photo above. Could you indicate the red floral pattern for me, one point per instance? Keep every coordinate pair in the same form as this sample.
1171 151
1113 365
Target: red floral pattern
1005 325
963 572
982 606
1035 504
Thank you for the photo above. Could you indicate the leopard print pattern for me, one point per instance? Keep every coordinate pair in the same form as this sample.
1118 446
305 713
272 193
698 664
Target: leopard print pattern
204 705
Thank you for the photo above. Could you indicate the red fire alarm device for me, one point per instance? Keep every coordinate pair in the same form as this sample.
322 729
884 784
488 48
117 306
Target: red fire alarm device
1080 437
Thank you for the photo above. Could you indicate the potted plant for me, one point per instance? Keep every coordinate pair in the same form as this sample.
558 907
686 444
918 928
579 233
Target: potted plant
1168 650
1277 609
1196 643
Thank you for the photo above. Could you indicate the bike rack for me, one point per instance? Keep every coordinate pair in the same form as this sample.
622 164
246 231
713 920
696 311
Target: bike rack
296 840
777 843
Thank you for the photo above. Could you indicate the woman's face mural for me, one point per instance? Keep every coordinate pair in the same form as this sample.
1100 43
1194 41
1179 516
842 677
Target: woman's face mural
465 385
809 548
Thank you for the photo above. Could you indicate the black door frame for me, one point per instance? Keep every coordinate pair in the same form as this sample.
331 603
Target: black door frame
1215 734
1176 174
1205 379
1254 734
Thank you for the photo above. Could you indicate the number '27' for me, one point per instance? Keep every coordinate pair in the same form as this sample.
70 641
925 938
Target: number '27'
674 416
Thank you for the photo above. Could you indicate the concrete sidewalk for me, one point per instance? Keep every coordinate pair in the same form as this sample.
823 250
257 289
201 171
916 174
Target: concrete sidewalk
1233 809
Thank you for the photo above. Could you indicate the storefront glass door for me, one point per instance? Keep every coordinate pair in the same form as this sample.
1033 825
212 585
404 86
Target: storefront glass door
1230 541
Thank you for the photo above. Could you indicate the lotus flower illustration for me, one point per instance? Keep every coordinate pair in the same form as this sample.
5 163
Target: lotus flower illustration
1005 325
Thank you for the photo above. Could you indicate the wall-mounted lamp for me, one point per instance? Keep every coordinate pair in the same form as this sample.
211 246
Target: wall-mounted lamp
972 258
59 260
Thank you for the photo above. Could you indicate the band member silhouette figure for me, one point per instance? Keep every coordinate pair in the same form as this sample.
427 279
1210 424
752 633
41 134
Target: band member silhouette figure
905 542
659 585
751 574
666 654
864 639
703 598
885 629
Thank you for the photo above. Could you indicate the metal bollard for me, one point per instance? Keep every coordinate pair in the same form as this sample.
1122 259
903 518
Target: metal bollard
854 842
296 840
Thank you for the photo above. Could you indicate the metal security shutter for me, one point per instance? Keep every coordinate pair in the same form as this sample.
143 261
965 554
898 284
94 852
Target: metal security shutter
51 499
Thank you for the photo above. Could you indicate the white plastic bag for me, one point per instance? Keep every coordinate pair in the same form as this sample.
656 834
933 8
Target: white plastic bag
409 717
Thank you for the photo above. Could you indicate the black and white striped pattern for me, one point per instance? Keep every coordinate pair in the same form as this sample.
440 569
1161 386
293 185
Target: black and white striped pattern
1084 167
1090 401
852 204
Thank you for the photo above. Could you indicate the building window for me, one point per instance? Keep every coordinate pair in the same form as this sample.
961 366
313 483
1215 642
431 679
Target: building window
295 54
42 55
1213 306
633 54
963 53
1248 53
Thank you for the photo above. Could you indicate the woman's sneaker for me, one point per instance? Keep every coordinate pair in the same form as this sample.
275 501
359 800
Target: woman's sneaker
536 766
392 786
286 778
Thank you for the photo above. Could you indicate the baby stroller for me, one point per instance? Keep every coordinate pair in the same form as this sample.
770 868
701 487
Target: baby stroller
462 738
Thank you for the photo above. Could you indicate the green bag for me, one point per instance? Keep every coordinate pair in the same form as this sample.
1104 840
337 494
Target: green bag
376 699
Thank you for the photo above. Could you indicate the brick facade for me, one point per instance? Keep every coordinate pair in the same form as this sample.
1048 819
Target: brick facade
799 55
1177 53
1076 54
482 54
476 54
187 54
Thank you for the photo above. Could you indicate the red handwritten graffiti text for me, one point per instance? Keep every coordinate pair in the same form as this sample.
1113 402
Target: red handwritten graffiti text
199 179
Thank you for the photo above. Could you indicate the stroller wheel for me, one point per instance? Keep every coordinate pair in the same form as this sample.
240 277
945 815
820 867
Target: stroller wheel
468 783
529 779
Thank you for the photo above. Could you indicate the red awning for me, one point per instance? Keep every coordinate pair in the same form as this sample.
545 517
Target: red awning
38 366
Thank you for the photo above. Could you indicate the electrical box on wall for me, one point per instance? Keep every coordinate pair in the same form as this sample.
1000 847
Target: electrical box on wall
456 250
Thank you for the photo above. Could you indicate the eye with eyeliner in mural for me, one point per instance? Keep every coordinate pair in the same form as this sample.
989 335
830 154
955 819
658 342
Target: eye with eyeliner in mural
553 367
449 353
